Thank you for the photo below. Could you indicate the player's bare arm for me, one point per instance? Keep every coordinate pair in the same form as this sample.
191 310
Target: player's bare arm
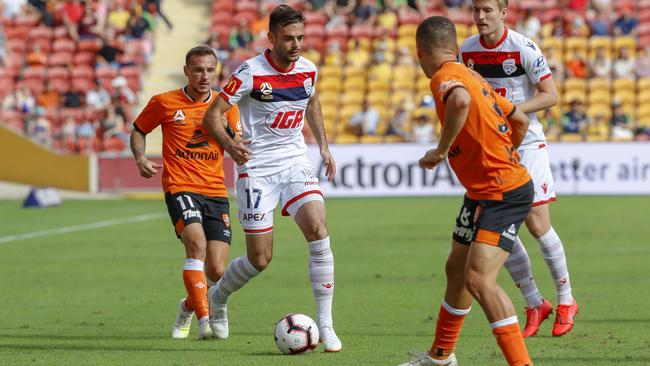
215 123
146 167
519 124
457 107
546 97
315 120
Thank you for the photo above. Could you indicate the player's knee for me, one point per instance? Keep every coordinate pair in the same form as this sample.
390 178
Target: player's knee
316 231
214 272
261 261
196 247
475 283
537 228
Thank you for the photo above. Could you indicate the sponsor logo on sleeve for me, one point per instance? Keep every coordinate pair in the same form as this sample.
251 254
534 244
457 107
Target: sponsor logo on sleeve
232 86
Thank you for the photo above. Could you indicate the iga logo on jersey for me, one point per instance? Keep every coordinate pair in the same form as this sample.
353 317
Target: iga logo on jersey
285 121
509 66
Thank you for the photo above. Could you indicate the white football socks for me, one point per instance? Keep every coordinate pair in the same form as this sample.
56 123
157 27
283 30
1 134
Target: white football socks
239 272
553 252
321 275
518 265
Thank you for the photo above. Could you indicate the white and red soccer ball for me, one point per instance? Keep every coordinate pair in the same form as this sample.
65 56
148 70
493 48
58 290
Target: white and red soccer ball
296 334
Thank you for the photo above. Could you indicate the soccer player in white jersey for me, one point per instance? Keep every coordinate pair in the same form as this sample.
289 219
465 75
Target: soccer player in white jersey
516 68
275 92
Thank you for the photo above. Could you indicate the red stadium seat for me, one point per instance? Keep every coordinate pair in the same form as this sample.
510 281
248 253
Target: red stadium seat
409 17
36 86
132 76
26 20
227 6
315 18
61 32
83 84
76 113
89 45
85 58
60 59
223 19
314 31
247 6
60 85
17 32
37 73
114 144
18 46
83 72
361 31
42 32
58 73
64 45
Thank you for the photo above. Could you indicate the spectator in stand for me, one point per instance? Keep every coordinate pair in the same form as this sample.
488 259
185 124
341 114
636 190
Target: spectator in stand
98 98
73 99
312 55
14 8
366 12
118 18
36 56
626 24
620 124
387 19
110 49
49 99
600 24
577 5
241 36
404 57
576 67
40 128
454 3
72 12
601 65
155 7
366 121
643 63
357 56
314 5
137 26
529 25
333 55
623 67
422 130
602 5
89 26
25 101
578 27
222 52
397 123
575 121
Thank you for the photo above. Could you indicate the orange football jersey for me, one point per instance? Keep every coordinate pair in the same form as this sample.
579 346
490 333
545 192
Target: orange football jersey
192 160
482 155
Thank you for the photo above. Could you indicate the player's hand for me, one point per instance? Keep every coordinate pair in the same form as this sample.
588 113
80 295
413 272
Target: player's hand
330 164
148 168
239 152
432 158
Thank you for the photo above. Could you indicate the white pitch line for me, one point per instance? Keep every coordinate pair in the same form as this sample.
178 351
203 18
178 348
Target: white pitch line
75 228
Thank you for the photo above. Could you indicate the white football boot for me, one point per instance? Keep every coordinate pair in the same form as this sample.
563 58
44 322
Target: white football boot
181 327
218 315
205 332
329 339
423 359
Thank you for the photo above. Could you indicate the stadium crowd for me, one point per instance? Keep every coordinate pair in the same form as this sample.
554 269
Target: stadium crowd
70 70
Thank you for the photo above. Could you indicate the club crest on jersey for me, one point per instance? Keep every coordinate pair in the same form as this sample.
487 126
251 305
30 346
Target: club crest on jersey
509 66
308 85
226 219
266 89
179 117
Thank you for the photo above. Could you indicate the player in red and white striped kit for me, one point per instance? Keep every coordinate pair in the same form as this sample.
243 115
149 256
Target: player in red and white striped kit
275 92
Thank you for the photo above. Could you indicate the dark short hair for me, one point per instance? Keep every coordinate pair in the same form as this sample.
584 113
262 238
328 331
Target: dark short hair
199 51
436 32
284 15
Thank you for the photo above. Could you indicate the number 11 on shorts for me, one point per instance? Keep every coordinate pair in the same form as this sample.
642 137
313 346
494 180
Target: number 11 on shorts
258 195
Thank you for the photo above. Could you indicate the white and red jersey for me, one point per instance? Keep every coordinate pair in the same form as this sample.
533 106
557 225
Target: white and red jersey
513 67
272 105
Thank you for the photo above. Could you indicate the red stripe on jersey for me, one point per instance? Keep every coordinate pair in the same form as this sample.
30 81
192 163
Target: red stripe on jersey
267 55
258 231
490 57
539 203
545 77
284 81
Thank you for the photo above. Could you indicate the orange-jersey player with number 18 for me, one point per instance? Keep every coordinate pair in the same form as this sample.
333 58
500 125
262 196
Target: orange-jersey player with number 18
193 181
480 133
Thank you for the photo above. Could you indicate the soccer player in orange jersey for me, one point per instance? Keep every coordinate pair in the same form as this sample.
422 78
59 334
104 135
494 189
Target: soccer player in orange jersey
480 134
193 181
516 68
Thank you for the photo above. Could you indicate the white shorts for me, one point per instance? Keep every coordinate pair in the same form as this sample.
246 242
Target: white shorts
538 164
257 197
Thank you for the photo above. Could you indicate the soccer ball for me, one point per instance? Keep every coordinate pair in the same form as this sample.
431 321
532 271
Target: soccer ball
295 334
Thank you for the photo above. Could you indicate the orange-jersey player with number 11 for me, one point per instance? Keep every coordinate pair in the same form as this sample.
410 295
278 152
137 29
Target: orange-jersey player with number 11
193 181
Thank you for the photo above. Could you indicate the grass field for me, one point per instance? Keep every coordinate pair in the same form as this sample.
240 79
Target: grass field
108 295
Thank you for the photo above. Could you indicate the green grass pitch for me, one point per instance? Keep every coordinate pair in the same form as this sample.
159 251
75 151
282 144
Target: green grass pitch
108 296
